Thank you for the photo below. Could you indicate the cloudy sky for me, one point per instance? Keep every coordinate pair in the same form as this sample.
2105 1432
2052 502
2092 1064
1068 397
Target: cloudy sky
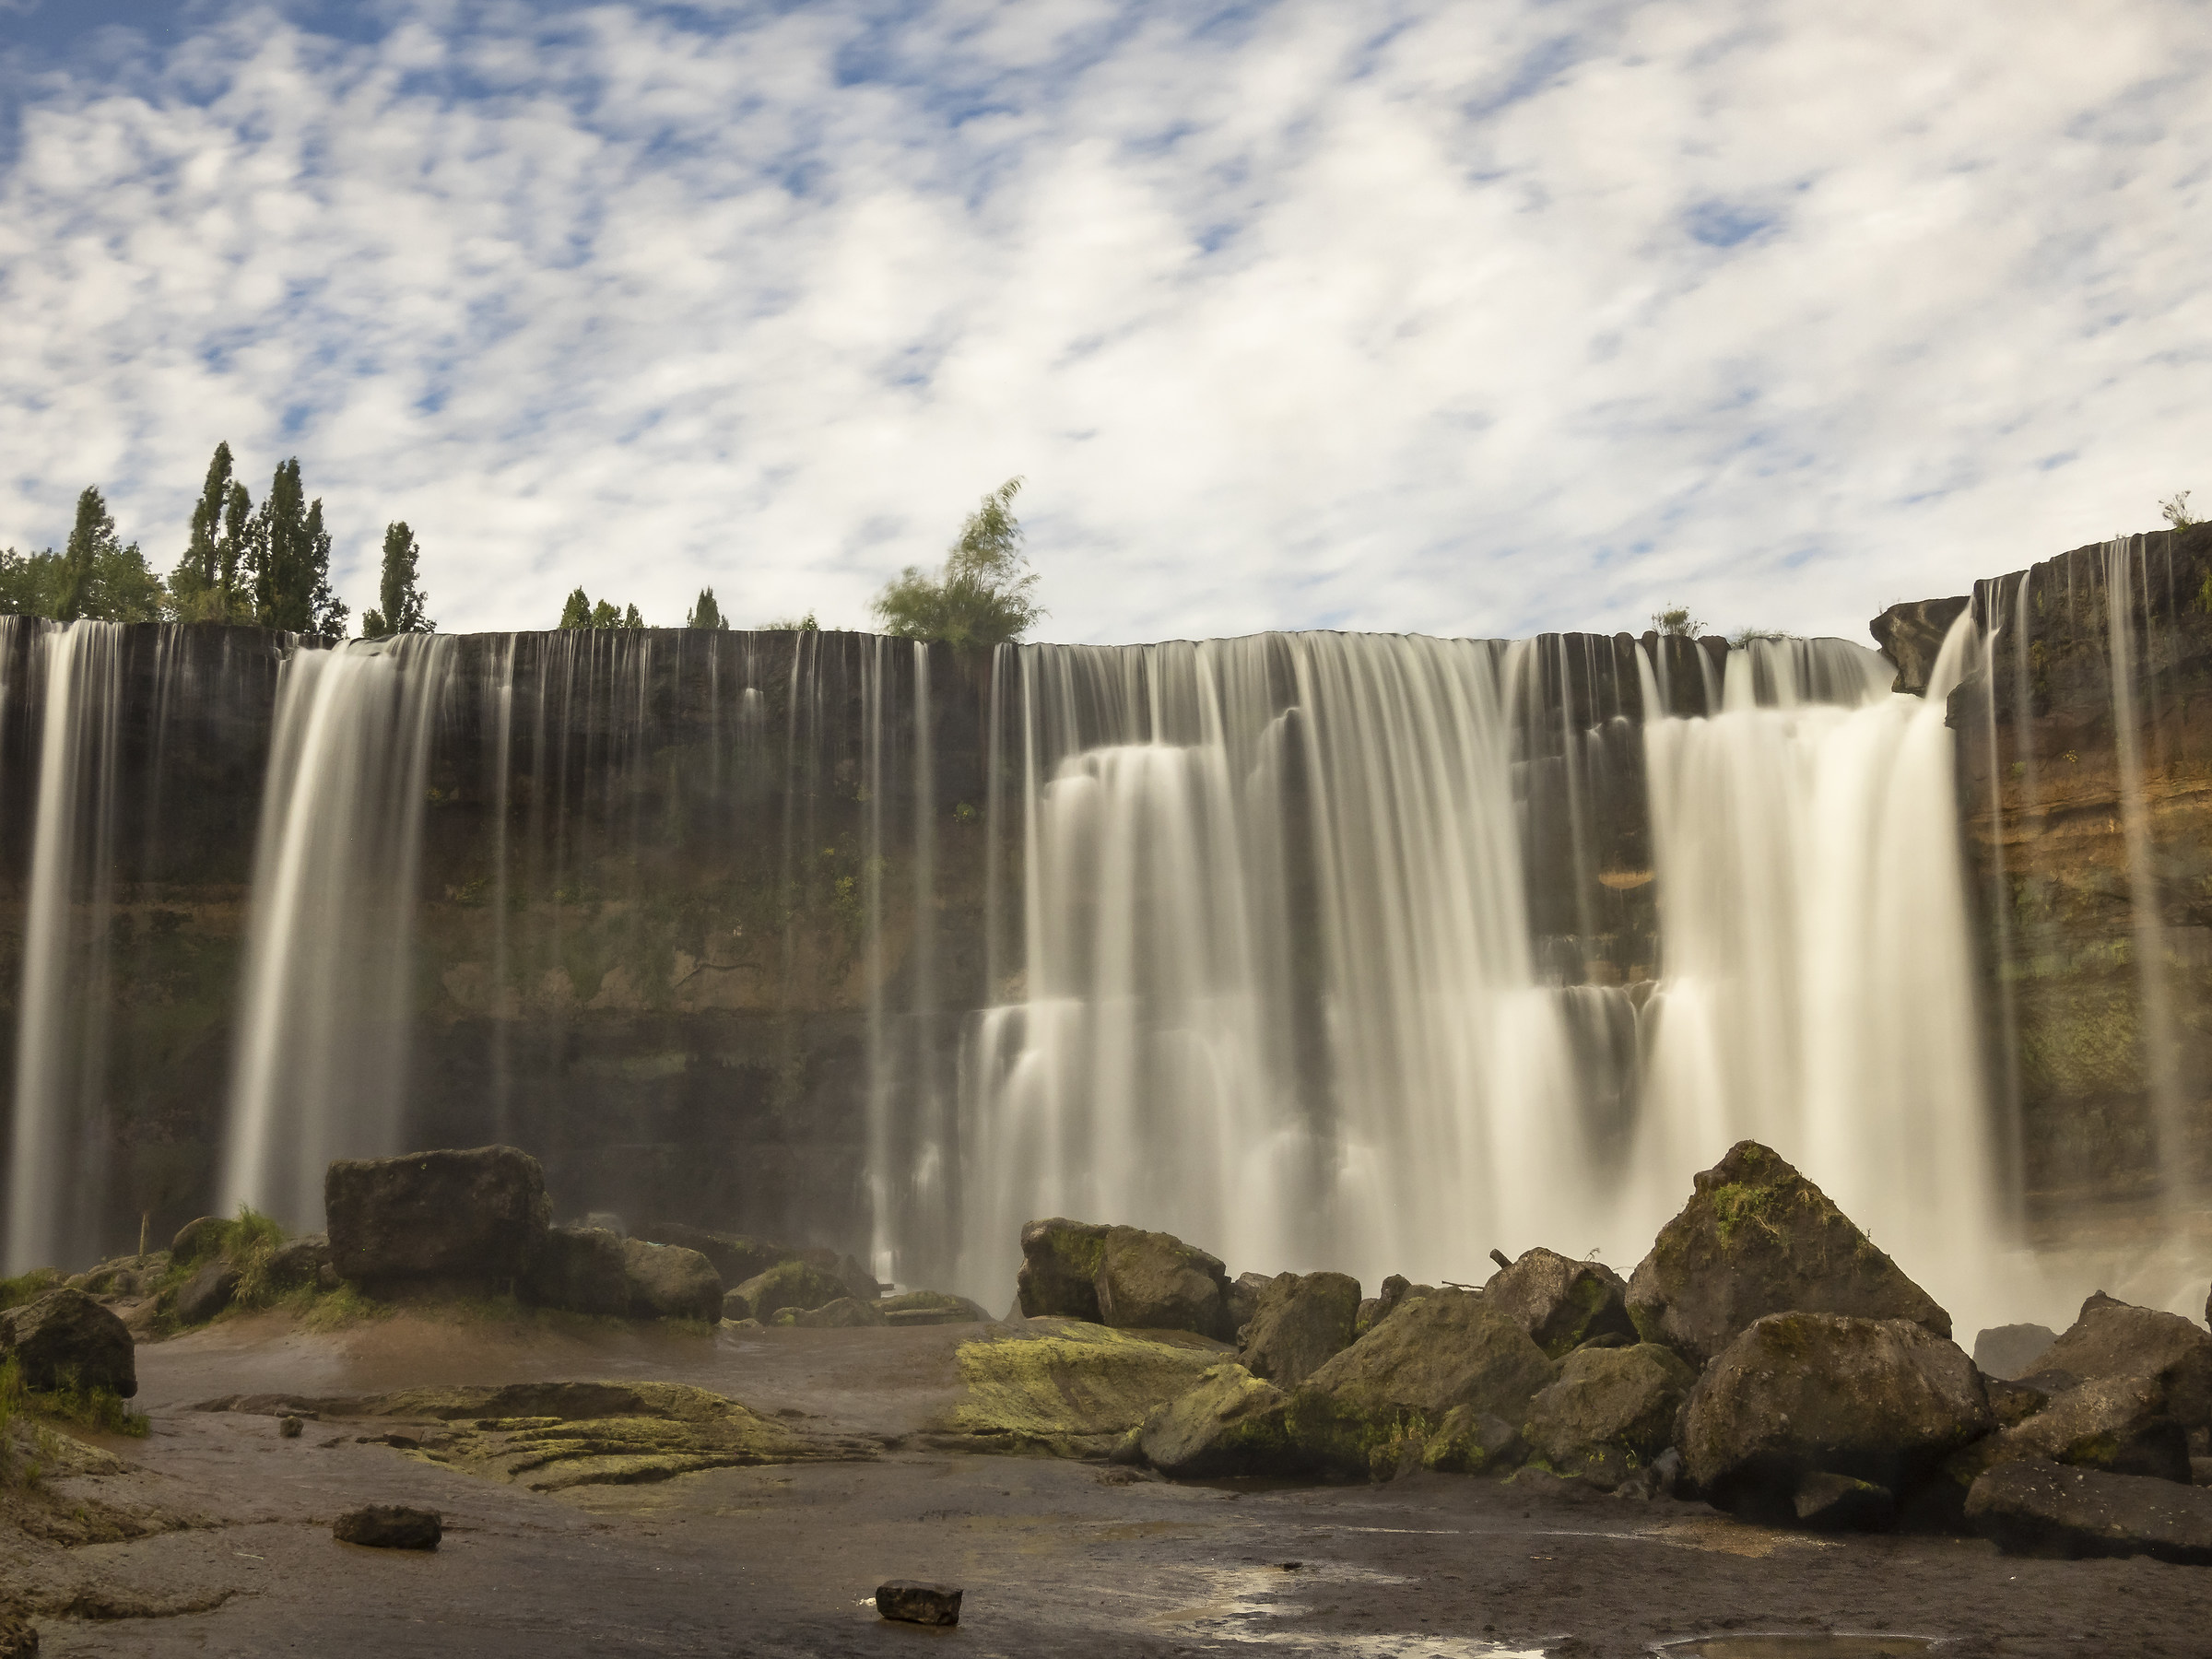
1487 317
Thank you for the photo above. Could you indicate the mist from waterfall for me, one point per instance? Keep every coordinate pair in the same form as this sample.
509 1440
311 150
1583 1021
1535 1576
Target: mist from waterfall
1279 993
327 1014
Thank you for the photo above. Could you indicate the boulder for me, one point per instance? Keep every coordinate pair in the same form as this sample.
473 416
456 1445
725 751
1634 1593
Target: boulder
1608 1412
2012 1402
18 1637
1910 634
64 1338
1376 1309
2113 1340
1066 1387
388 1526
667 1281
2012 1351
858 1281
2041 1508
475 1218
1244 1301
1562 1302
793 1284
1231 1423
1153 1281
930 1308
208 1292
1758 1238
196 1239
846 1313
1384 1398
913 1603
1302 1321
735 1309
2121 1425
1879 1400
1472 1442
737 1256
1060 1262
300 1261
582 1269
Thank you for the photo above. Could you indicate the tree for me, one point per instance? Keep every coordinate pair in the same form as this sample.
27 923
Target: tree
1677 620
401 603
805 624
605 615
706 613
986 594
287 552
96 576
200 588
2177 511
577 612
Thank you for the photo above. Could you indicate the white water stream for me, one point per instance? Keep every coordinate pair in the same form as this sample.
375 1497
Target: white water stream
327 1010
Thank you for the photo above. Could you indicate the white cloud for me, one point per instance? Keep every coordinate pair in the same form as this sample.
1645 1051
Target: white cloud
1477 317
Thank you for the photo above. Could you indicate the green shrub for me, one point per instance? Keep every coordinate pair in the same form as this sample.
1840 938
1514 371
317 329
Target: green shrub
28 1286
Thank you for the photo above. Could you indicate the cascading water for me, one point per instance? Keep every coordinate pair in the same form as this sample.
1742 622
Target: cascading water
1819 985
56 1174
327 1013
1279 993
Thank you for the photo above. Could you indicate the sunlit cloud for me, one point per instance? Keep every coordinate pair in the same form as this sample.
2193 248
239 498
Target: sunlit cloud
1465 319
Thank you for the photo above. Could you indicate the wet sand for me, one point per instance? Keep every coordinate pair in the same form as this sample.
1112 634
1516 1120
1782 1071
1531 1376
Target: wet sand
1056 1557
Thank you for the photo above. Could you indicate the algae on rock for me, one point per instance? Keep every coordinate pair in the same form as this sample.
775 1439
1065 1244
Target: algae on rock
1065 1388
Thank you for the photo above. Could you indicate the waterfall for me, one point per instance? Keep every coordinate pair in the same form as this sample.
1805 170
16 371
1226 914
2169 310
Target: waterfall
1277 990
327 1005
1279 994
1819 992
56 1174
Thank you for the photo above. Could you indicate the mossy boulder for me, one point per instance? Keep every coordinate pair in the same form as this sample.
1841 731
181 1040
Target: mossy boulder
1562 1302
198 1240
930 1308
1396 1291
2121 1425
846 1313
1065 1388
1758 1238
1879 1400
737 1256
584 1269
1472 1442
299 1262
208 1292
1609 1411
1232 1423
1302 1321
793 1284
2114 1339
1153 1281
65 1339
1377 1405
1060 1260
475 1218
667 1281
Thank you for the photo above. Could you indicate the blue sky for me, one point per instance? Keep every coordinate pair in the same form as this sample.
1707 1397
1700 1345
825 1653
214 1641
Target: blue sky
1481 318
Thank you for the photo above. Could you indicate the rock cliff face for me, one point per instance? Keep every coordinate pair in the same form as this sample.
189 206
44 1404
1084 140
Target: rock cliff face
2085 768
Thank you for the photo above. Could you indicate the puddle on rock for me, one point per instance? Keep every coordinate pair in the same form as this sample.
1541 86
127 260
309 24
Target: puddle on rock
1248 1604
1798 1645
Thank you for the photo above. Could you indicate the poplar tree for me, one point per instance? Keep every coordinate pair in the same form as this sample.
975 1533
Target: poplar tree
196 585
577 612
706 613
290 550
400 602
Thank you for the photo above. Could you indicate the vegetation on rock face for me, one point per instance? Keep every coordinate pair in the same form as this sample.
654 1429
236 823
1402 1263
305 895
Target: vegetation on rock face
985 597
1075 1391
2175 509
1677 622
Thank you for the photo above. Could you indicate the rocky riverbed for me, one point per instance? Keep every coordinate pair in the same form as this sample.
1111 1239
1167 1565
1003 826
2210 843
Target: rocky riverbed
1764 1441
1056 1556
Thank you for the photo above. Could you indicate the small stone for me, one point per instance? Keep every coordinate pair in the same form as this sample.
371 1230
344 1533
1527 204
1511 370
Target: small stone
911 1603
388 1526
289 1427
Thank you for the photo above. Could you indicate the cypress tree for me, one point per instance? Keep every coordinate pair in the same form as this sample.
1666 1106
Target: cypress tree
400 602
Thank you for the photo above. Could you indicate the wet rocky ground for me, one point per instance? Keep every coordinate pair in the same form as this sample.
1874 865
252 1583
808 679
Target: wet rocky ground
1055 1556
